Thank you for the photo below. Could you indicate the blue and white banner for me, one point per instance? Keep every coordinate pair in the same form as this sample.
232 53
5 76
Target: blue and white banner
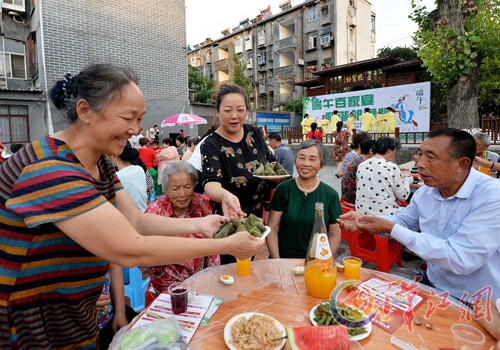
411 102
274 121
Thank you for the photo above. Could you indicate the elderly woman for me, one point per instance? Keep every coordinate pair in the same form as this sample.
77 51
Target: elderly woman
380 182
167 155
291 217
179 180
63 208
192 142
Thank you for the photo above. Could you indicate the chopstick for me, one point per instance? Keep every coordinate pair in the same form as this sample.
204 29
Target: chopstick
281 277
160 317
294 281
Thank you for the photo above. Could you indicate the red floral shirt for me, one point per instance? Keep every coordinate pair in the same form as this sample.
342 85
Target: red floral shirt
164 275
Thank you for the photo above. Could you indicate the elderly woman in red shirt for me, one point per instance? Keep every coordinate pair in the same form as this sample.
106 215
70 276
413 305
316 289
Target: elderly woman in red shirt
178 183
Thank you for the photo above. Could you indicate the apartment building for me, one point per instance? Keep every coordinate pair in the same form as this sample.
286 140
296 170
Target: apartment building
281 49
41 40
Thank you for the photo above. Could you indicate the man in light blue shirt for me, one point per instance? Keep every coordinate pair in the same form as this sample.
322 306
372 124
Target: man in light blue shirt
457 214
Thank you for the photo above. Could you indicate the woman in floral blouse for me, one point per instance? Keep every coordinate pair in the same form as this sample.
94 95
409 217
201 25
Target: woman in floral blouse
180 202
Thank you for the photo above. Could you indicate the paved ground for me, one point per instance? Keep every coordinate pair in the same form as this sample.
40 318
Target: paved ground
410 270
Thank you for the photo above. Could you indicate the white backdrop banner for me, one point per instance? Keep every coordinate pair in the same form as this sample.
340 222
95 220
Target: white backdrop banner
411 102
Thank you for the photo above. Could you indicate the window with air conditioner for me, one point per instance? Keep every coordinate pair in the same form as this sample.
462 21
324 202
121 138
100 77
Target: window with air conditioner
249 63
12 59
325 40
312 13
16 5
261 58
312 42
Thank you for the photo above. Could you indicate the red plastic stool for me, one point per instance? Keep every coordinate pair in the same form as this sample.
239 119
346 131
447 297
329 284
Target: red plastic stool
379 250
346 236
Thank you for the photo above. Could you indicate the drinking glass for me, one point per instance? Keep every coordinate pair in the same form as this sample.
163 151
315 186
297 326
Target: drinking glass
467 336
179 297
243 267
352 267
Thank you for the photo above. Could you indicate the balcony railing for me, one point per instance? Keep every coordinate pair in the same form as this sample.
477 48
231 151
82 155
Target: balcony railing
222 64
284 98
285 71
286 44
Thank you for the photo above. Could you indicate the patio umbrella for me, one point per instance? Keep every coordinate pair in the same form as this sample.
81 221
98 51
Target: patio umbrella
183 119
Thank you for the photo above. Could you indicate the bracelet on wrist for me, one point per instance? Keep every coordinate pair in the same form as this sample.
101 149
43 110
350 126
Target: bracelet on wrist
492 165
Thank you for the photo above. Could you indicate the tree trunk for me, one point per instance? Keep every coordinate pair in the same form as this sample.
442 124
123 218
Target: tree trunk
461 106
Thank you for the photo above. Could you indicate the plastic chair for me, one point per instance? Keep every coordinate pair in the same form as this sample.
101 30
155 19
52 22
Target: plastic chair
346 236
379 250
135 287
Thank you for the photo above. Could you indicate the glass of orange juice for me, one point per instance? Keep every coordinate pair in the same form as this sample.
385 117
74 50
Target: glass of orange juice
243 267
352 266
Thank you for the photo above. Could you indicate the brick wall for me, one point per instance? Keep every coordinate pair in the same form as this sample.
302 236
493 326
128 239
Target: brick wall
148 36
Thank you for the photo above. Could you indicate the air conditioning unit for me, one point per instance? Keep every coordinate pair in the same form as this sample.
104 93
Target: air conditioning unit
300 62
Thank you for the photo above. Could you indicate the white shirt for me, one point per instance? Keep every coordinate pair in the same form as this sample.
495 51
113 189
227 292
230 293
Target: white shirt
134 182
380 185
459 236
195 159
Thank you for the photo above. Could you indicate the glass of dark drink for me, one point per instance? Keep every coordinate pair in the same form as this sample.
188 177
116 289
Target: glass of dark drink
179 297
414 174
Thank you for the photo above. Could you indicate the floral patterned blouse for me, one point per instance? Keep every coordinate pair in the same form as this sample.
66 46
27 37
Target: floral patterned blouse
232 165
348 183
164 275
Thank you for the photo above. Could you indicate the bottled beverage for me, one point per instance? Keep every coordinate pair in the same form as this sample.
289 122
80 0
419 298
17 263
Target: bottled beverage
414 173
319 272
484 169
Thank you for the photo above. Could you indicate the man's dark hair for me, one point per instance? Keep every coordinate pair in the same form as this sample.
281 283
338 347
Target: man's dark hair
462 143
335 112
274 136
367 109
143 141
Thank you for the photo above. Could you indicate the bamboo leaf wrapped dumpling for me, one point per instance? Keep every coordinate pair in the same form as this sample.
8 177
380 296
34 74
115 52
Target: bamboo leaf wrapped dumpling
260 170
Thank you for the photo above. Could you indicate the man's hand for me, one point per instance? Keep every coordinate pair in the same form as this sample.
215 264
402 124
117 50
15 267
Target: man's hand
373 224
210 224
231 206
347 221
243 245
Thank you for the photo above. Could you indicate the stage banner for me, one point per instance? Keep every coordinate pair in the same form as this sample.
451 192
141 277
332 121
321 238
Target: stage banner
411 102
274 121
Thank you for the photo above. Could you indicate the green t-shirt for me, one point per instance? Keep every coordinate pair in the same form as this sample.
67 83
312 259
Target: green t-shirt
297 219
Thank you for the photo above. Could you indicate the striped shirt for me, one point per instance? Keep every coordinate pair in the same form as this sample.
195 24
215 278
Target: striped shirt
49 284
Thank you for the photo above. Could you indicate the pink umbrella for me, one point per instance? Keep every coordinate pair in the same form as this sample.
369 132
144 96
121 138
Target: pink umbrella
183 119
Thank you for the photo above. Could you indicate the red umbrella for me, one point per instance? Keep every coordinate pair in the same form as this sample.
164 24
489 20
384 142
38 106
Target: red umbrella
183 119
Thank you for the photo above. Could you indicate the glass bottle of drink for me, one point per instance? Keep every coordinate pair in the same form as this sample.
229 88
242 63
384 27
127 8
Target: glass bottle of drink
319 271
484 169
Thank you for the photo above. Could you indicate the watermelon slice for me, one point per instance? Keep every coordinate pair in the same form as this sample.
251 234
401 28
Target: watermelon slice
319 338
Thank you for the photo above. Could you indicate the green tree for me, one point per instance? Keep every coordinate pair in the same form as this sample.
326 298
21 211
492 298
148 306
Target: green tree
204 86
454 40
295 106
401 53
239 77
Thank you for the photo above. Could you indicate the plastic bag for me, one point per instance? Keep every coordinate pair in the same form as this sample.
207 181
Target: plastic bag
160 335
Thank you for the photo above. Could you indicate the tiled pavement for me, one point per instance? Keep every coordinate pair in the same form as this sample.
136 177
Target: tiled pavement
410 270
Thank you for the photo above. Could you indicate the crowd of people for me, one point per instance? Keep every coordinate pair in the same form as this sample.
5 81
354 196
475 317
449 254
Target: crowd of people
81 203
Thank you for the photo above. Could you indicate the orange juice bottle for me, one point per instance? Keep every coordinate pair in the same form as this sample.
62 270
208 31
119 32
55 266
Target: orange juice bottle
319 271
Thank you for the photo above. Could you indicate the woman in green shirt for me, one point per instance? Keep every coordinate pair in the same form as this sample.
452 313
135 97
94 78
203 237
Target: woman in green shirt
292 209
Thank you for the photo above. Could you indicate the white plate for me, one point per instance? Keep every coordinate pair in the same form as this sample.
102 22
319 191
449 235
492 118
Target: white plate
272 177
247 315
266 232
368 327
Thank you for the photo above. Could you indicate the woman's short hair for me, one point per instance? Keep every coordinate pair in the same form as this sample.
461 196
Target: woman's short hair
481 136
178 167
323 155
143 141
192 140
129 153
168 141
358 138
180 139
98 85
230 89
366 146
383 144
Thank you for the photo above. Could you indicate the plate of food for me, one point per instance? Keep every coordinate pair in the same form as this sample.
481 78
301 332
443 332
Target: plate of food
253 224
271 171
320 315
265 330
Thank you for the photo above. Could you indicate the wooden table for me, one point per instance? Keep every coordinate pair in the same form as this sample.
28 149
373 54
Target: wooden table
262 292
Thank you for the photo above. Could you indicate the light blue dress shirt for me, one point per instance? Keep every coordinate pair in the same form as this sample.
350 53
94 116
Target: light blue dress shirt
459 236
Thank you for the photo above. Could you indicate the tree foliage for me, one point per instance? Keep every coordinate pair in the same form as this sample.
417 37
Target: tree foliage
296 106
453 42
239 77
401 53
204 86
